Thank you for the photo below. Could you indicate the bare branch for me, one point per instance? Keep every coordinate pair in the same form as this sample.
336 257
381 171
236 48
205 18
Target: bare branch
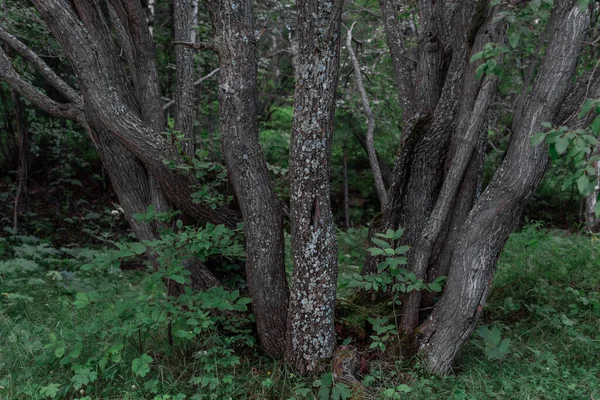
44 69
25 89
197 83
370 121
197 45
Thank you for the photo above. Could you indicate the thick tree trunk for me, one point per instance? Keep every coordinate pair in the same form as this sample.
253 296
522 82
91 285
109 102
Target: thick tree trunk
430 116
261 210
314 249
497 211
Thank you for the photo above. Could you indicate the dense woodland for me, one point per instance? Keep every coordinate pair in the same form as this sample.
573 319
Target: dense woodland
360 199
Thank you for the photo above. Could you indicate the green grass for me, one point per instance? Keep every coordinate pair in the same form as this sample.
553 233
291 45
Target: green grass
545 298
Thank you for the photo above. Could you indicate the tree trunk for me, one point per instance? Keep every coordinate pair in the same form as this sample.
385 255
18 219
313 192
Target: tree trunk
123 121
184 62
22 132
247 170
497 211
314 248
437 174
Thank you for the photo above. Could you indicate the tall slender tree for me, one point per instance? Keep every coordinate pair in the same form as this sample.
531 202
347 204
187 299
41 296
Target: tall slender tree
312 302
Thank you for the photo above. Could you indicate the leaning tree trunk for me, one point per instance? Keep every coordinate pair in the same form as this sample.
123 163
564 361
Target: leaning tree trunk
314 249
123 121
497 211
261 210
133 115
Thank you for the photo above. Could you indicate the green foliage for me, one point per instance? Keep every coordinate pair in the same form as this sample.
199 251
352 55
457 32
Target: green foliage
580 147
494 347
328 389
489 54
390 275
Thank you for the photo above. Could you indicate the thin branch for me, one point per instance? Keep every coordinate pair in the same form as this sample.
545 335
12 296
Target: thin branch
370 122
44 69
197 45
7 72
197 83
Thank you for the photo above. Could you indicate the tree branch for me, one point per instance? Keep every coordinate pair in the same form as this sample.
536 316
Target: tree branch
25 89
170 103
381 191
42 67
197 45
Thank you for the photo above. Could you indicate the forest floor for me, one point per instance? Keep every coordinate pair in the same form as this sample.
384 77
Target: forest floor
539 337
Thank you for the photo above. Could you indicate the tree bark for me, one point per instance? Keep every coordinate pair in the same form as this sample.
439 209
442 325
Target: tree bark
98 74
314 249
184 62
133 116
247 170
497 211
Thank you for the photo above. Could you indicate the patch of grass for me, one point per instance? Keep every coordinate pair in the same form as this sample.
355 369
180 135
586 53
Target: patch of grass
545 298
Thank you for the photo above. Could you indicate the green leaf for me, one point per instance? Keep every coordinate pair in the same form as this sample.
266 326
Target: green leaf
435 287
535 4
561 145
480 71
513 39
59 351
138 248
341 392
476 56
596 125
376 251
76 350
597 208
402 249
141 366
83 376
586 107
50 391
537 138
82 300
583 5
583 185
381 243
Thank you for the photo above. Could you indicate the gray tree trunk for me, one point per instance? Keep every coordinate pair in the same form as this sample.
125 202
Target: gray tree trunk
124 121
496 212
314 248
437 175
261 210
184 63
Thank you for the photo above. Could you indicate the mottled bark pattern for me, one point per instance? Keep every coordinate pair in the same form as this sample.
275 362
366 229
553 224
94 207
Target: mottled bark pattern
314 249
261 210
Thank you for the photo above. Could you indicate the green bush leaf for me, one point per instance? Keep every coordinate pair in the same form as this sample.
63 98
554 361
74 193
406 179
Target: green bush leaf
141 366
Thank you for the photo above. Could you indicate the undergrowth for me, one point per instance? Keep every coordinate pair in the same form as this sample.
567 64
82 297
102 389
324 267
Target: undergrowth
73 324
